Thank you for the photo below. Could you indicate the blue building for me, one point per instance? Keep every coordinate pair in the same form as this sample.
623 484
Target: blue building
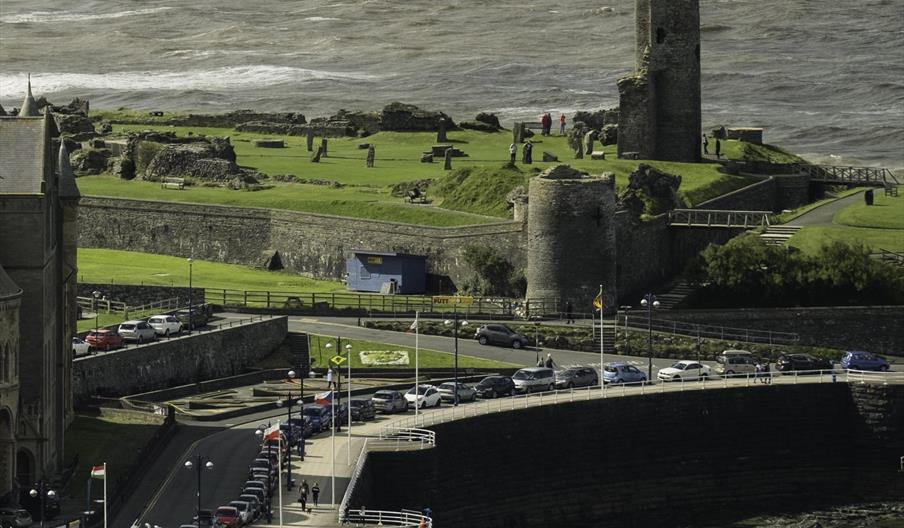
385 272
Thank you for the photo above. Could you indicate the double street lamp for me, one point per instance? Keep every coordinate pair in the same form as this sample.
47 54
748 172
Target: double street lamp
190 325
42 491
456 324
96 295
288 403
199 464
649 302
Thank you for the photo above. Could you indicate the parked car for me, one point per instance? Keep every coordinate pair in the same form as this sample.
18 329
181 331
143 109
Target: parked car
204 518
860 360
79 347
15 517
576 377
804 362
623 373
363 410
291 432
199 317
389 401
338 413
104 339
733 362
498 334
256 505
684 370
320 417
139 331
260 485
495 386
305 423
425 396
165 324
229 517
534 379
257 492
245 511
465 392
262 464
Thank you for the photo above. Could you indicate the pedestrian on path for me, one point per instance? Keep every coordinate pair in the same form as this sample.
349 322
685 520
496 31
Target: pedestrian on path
315 494
705 145
329 378
423 523
303 496
569 313
718 148
513 152
549 362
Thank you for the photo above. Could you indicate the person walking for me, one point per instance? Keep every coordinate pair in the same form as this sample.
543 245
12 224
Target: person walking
569 313
513 152
549 362
718 149
315 494
705 145
303 496
562 125
527 153
329 378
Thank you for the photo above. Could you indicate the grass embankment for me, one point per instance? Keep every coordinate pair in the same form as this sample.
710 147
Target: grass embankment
116 440
878 226
743 151
365 192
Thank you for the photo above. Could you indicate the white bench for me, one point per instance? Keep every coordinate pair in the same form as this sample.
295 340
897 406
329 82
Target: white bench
173 183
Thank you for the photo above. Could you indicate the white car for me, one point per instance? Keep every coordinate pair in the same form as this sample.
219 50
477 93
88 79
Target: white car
79 347
165 325
684 370
427 396
245 511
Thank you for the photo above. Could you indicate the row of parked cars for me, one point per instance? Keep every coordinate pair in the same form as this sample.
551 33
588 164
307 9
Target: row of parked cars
141 331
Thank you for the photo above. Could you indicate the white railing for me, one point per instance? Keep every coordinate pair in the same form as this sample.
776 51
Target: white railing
406 518
349 490
404 438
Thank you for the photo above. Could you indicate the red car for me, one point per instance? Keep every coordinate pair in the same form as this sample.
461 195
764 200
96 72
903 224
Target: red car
103 339
228 516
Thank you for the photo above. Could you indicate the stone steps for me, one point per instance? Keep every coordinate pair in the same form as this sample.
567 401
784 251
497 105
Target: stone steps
779 235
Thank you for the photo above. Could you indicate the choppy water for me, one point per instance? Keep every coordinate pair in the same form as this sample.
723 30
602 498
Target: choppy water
824 77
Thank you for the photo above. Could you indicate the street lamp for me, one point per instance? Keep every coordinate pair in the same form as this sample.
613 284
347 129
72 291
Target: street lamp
537 340
649 302
190 326
288 403
96 295
198 465
626 309
455 325
42 491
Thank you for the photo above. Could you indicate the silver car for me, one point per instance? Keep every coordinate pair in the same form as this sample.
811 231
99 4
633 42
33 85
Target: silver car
534 379
390 401
465 392
139 331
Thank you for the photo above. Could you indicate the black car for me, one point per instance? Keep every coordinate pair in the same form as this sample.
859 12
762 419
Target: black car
792 362
498 334
199 316
495 386
305 423
363 410
320 417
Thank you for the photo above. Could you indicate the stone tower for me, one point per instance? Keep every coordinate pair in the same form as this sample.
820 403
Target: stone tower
660 102
571 238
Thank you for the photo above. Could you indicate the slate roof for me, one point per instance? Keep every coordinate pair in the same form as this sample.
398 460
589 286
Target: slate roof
22 143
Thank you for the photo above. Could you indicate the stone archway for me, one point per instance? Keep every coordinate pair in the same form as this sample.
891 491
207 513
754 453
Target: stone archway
7 450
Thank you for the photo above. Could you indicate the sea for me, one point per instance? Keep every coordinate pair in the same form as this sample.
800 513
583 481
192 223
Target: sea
824 78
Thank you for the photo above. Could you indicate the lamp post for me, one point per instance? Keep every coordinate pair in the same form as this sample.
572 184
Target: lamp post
348 406
198 465
288 403
537 341
455 325
42 491
96 295
649 302
626 309
190 325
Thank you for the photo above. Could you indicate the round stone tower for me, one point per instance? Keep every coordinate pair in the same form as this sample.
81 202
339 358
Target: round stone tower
571 238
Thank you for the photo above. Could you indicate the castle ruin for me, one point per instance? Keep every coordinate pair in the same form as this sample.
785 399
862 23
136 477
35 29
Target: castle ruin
659 103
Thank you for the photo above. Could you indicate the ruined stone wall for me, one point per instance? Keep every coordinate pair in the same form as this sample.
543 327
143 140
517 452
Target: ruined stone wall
644 259
759 196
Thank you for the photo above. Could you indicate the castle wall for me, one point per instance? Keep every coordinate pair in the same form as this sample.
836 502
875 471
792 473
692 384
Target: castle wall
644 258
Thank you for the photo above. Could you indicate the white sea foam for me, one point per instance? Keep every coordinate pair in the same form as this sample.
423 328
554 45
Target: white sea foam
38 17
320 18
218 79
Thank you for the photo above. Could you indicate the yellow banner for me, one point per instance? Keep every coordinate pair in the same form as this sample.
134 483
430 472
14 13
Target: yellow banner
452 299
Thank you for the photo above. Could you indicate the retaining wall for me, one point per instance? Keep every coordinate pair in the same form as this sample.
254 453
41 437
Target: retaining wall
655 460
138 295
179 361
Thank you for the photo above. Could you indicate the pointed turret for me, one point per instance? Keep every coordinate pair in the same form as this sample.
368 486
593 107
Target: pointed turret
68 188
29 106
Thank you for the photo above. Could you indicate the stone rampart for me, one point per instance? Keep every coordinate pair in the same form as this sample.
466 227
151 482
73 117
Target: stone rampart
669 460
177 361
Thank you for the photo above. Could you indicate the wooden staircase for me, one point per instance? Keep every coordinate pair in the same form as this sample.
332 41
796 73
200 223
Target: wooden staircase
779 235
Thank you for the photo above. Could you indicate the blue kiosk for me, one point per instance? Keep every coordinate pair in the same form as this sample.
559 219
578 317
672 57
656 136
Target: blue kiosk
386 272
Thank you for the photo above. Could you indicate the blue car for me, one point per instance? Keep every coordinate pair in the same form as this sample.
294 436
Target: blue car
860 360
622 373
320 417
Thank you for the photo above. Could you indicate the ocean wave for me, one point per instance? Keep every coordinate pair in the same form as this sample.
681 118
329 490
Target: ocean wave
39 17
320 18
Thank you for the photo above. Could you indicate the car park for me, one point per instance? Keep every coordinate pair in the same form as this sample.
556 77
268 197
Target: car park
735 362
79 347
684 370
363 410
495 386
860 360
104 339
165 325
425 396
534 379
320 416
576 377
15 517
139 331
618 372
389 401
499 334
245 511
801 362
465 392
229 517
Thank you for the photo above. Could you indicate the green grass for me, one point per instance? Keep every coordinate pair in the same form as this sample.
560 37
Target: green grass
132 267
784 218
741 150
879 226
426 358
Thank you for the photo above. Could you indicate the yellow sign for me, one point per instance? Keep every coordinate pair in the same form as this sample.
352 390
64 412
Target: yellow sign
452 299
374 259
338 360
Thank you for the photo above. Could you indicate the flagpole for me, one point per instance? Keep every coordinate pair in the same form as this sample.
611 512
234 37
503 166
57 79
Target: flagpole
602 337
333 447
348 452
417 334
105 495
279 470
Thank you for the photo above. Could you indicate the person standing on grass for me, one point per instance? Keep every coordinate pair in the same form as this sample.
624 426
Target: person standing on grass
705 145
562 125
718 148
513 151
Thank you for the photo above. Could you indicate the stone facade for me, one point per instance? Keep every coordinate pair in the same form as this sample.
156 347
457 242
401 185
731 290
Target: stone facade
10 301
659 104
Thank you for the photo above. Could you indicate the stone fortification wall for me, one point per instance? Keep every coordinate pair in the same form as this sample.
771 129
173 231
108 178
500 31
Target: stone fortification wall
571 237
673 459
772 194
177 361
643 258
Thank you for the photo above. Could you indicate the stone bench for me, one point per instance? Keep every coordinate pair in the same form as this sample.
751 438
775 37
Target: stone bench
173 183
597 155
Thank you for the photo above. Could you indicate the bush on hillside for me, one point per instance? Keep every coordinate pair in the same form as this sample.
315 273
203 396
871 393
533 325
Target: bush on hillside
492 274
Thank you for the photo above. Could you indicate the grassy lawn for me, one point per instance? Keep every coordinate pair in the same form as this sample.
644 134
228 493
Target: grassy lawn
426 358
95 440
879 226
740 150
132 267
784 218
365 193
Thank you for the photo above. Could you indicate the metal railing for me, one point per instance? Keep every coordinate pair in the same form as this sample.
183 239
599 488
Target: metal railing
718 218
397 438
638 321
405 518
846 174
110 306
